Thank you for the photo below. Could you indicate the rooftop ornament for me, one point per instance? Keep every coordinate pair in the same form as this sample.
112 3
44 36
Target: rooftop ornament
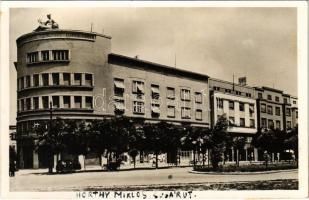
47 25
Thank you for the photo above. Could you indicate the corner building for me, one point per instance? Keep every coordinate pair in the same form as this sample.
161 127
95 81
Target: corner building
76 73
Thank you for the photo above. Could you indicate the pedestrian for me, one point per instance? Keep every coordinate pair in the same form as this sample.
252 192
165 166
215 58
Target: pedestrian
12 169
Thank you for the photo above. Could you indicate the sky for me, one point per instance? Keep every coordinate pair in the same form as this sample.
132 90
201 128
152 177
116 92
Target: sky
259 43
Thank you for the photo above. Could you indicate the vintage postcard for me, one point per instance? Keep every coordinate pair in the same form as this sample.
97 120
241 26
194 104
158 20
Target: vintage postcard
154 100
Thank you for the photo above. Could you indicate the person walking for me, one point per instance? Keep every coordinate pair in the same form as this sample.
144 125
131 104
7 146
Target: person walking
12 169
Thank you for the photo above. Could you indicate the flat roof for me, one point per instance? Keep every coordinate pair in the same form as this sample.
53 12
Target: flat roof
228 82
136 62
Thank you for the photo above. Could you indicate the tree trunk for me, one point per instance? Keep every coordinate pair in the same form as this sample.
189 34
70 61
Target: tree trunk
204 158
134 161
208 159
157 160
194 158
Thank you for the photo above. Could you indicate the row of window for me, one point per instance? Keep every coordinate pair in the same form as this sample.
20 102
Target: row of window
43 102
48 55
241 122
277 110
233 91
138 88
271 125
232 105
277 99
49 79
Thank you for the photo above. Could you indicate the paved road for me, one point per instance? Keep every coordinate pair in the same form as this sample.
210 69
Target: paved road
35 181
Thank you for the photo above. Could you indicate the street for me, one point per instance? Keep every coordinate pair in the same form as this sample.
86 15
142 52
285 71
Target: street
38 180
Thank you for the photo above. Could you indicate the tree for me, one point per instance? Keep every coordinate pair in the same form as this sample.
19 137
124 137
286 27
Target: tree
238 143
291 141
133 153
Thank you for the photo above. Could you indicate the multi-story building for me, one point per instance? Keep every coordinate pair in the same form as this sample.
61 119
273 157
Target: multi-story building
294 111
75 74
237 102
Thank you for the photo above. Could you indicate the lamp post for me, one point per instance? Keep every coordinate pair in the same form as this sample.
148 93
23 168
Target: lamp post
51 164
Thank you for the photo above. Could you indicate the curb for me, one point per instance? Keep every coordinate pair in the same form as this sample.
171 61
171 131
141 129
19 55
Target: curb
242 173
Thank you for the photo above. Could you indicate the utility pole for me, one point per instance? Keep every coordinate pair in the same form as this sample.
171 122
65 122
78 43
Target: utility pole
51 165
233 83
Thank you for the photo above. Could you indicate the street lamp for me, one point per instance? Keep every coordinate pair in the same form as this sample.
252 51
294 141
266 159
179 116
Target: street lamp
51 164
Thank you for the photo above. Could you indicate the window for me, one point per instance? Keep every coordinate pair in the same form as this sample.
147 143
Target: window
288 112
294 102
36 82
288 124
219 103
185 113
270 124
60 54
138 107
22 102
198 115
78 102
185 95
89 102
33 57
45 102
277 99
231 121
238 92
155 92
296 114
241 107
45 55
269 110
66 79
248 95
119 106
88 79
170 93
278 111
170 111
252 123
198 97
35 103
55 78
118 87
138 87
155 110
264 123
55 101
260 95
77 79
216 88
278 124
22 83
251 108
269 97
28 104
45 79
242 122
263 108
228 90
27 81
66 102
285 100
231 105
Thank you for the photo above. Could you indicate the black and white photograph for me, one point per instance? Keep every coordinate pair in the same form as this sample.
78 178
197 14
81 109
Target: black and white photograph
146 102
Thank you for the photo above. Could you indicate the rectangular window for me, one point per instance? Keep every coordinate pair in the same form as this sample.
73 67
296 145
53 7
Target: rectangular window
270 124
89 102
263 108
155 110
55 78
138 107
269 110
170 111
294 102
231 121
45 102
242 122
28 84
277 99
278 124
170 93
88 79
198 115
36 103
45 79
296 114
260 95
228 90
119 106
198 97
248 95
36 81
185 95
264 123
238 92
77 79
66 79
219 103
216 88
155 92
285 100
45 55
288 112
55 101
22 83
66 102
185 113
251 108
269 97
288 124
252 123
118 87
78 102
33 57
241 107
138 87
60 54
22 102
28 104
278 111
231 105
